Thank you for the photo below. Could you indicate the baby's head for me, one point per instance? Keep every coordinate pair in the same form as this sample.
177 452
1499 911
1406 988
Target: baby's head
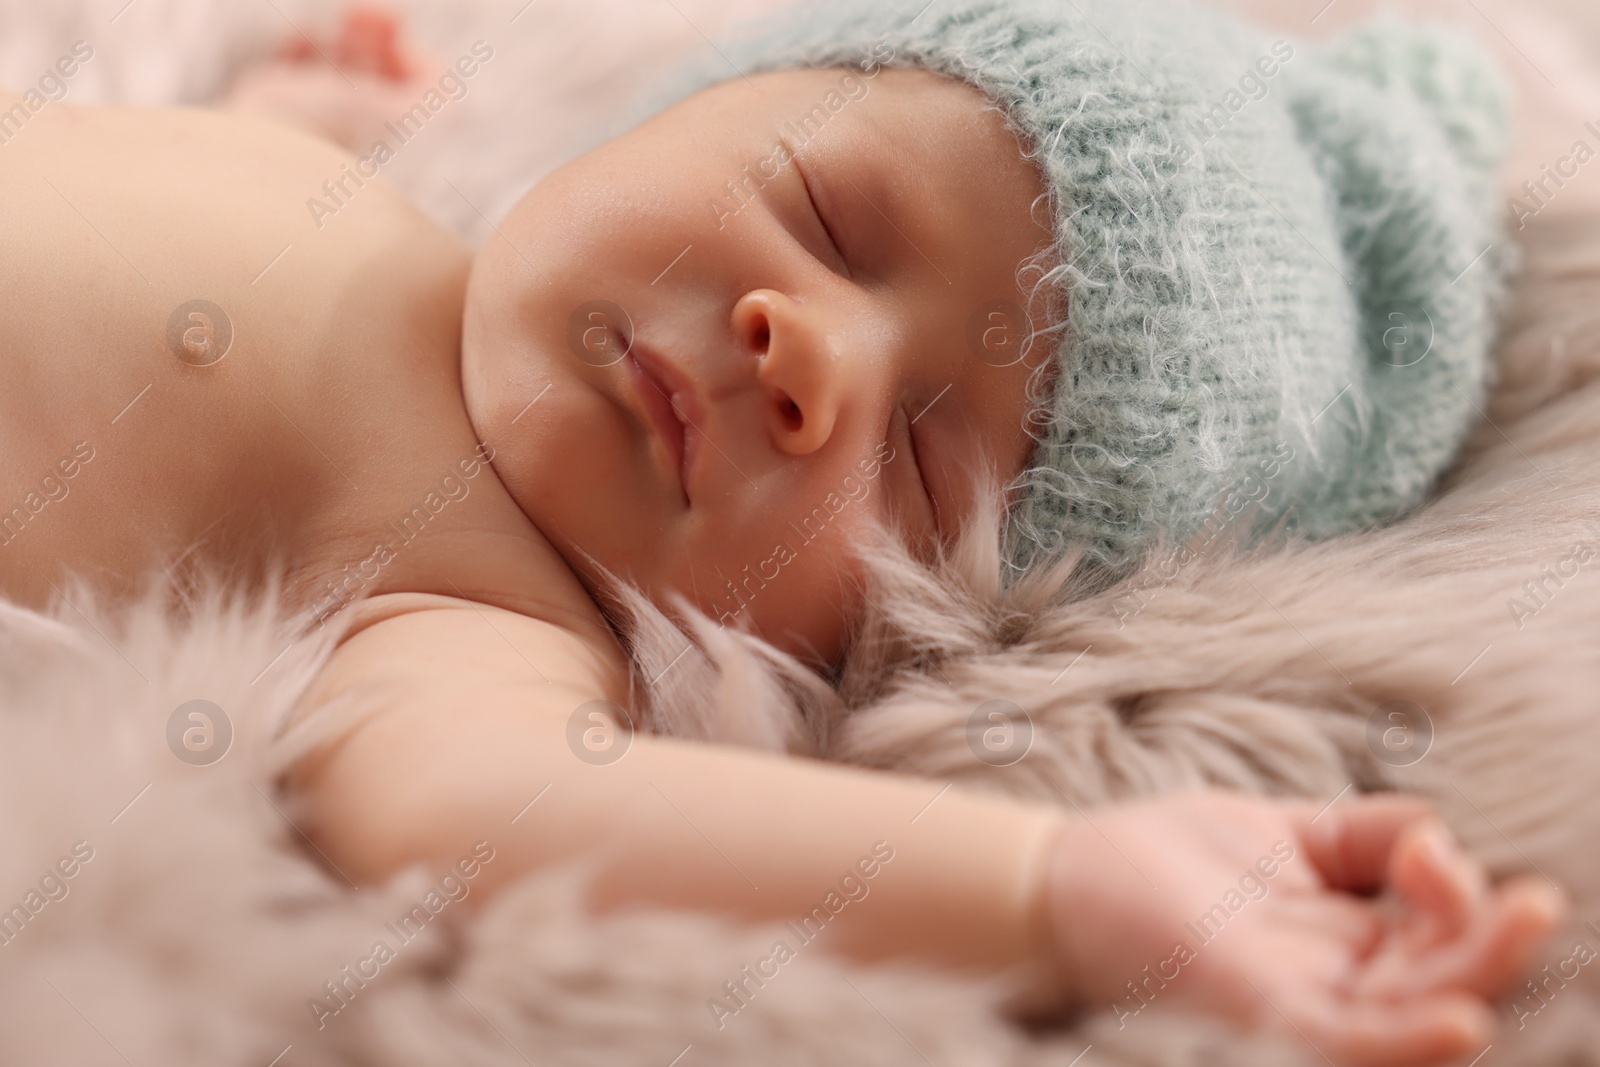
1143 268
797 259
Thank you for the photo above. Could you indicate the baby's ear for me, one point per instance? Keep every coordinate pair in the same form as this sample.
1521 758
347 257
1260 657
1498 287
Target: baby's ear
1455 79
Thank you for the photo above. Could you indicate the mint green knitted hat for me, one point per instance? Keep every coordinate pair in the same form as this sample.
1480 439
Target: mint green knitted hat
1281 261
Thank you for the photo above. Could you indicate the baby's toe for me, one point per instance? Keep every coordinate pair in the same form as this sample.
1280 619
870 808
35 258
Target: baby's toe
369 42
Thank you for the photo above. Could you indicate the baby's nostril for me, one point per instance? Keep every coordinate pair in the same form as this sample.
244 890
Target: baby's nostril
791 414
762 338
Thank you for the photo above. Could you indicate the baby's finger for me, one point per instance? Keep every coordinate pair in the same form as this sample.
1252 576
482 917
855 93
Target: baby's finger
1486 957
1350 843
1406 1032
1520 918
1445 888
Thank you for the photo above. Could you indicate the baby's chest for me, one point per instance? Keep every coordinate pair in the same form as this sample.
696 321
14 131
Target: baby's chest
196 374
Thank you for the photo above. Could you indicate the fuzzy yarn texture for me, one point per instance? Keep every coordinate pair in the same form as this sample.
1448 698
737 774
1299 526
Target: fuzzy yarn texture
1269 251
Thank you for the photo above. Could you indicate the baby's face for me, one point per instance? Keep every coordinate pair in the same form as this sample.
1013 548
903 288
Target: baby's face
821 270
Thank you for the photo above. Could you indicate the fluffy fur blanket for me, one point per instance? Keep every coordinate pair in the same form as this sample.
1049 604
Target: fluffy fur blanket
172 913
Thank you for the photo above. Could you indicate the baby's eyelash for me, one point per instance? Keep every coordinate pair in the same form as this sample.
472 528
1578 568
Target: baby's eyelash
832 240
916 461
821 221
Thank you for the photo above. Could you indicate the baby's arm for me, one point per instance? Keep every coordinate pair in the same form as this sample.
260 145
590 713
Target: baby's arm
474 706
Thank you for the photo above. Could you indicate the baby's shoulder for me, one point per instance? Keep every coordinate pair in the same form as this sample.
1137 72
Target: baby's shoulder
431 643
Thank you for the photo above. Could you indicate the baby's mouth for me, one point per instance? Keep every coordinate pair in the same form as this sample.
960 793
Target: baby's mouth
655 381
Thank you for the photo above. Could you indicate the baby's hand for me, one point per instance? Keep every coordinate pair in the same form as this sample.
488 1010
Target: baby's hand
1246 908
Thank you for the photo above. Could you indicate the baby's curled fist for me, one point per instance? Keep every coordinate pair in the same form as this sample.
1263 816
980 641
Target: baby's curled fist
1248 909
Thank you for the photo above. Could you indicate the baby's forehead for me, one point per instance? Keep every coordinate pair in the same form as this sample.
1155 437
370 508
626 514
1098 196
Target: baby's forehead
887 110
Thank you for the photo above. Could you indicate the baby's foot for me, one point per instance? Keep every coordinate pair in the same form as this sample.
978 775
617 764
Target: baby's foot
343 88
368 43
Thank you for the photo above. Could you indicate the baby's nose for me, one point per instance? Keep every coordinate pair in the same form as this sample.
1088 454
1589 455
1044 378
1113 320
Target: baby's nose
797 368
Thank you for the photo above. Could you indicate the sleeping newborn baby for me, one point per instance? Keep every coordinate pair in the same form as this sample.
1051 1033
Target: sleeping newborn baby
890 273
